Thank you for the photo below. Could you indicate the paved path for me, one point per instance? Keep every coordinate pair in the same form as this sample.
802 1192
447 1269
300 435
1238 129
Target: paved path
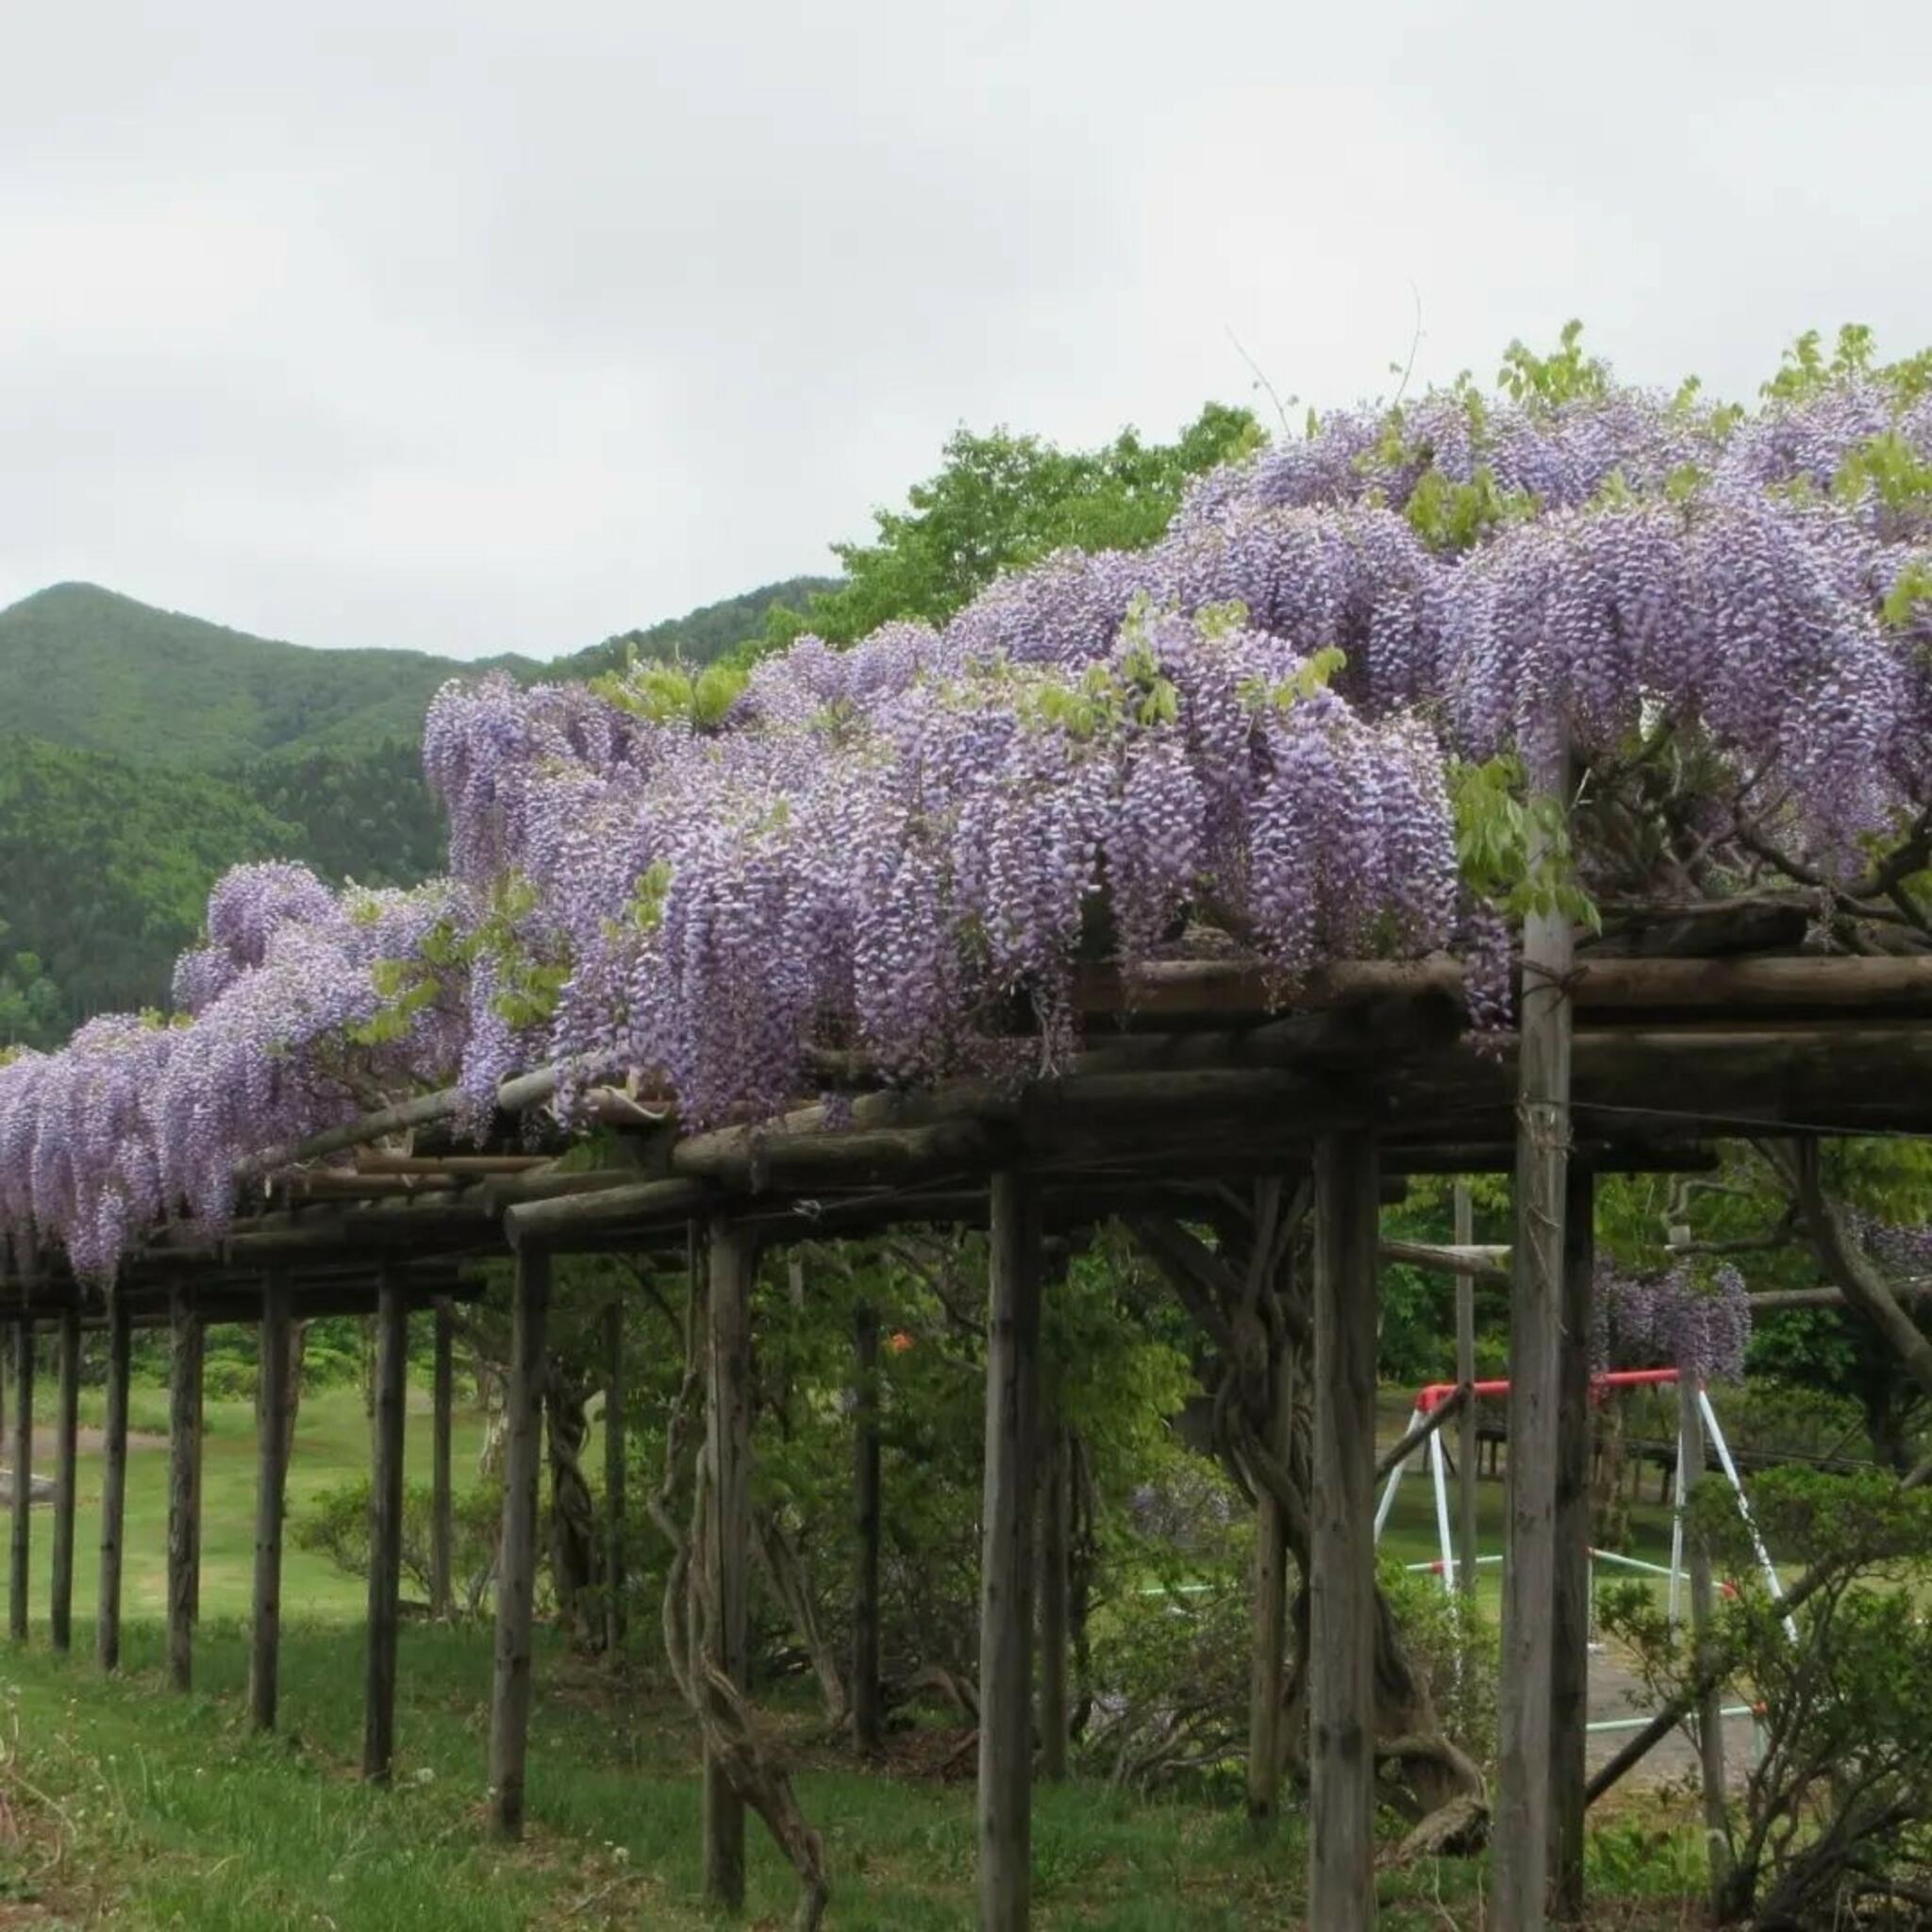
1616 1692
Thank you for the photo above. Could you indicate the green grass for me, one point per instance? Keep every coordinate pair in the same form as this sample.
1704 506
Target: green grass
331 1445
124 1804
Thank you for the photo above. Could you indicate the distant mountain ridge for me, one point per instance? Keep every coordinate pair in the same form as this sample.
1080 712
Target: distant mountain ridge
92 670
143 752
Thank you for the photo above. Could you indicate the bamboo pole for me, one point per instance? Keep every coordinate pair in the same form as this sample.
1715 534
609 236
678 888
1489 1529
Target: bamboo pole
614 1446
184 1411
441 1490
1570 1601
516 1574
726 1552
1005 1621
385 1533
1466 1539
23 1479
271 1463
1341 1570
1521 1836
66 1457
113 1485
867 1710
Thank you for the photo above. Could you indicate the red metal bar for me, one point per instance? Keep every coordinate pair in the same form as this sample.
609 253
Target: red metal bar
1434 1394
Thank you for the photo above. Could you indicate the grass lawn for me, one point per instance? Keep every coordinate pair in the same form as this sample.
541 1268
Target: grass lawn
124 1804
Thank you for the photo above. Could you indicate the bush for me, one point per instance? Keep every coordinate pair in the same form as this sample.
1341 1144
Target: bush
1839 1804
336 1523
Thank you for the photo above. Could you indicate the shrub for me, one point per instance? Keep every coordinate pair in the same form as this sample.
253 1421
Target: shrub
336 1523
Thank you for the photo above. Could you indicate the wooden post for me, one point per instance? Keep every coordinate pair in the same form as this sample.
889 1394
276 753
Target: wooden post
867 1714
184 1416
1055 1471
516 1572
726 1552
23 1477
1342 1578
614 1446
66 1454
1521 1829
271 1465
1570 1601
113 1485
384 1532
197 1443
441 1494
1267 1682
1005 1618
1710 1722
1466 1444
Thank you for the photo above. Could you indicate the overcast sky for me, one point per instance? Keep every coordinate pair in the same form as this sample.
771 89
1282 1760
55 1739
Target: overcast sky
505 327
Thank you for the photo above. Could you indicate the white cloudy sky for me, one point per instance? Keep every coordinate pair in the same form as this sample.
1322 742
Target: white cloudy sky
487 325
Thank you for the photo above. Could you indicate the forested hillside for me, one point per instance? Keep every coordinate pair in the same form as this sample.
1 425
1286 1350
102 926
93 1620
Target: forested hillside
144 752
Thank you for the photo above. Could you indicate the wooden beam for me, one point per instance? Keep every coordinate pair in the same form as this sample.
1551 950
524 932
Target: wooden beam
385 1536
578 1219
614 1448
1570 1599
1463 1258
441 1490
868 1712
184 1490
727 1552
66 1458
113 1487
271 1467
1341 1570
1005 1618
1522 1824
23 1479
516 1574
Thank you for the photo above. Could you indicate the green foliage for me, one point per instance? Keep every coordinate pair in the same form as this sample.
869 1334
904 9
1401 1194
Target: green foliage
335 1524
1000 501
1512 850
1840 1790
104 869
668 692
700 637
1452 517
1566 375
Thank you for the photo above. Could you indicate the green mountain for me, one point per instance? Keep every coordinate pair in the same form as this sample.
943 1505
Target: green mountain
142 753
88 668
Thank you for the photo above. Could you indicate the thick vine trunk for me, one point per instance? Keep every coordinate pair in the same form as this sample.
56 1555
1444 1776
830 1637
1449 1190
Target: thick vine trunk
785 1571
575 1566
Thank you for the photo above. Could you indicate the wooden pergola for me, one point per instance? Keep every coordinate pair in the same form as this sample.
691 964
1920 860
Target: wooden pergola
1195 1079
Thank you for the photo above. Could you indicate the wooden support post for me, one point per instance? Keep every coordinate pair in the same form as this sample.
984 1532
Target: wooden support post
1268 1680
66 1457
1570 1601
867 1705
1006 1618
1055 1508
516 1572
1711 1721
441 1492
113 1485
23 1477
1342 1578
271 1465
614 1482
1466 1444
197 1443
384 1532
1522 1827
727 1552
184 1431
